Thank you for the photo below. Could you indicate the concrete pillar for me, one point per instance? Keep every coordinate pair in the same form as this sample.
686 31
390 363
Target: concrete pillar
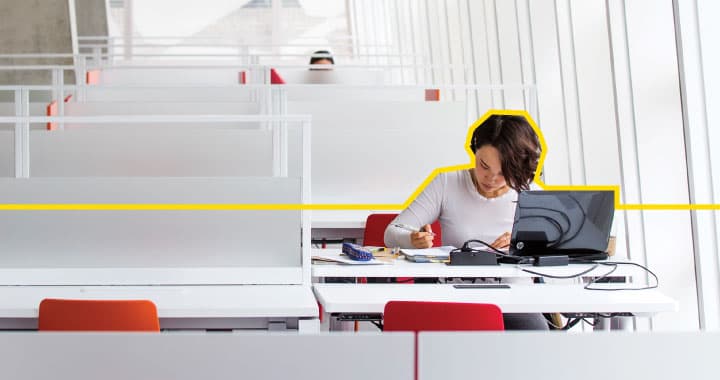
92 21
91 16
35 27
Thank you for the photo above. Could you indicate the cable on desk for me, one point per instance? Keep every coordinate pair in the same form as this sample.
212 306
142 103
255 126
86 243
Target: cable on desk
615 264
560 277
498 253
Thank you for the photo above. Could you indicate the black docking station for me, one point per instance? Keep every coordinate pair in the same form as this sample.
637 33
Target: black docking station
473 258
551 261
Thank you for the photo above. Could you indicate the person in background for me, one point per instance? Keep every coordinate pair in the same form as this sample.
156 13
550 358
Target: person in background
478 203
322 57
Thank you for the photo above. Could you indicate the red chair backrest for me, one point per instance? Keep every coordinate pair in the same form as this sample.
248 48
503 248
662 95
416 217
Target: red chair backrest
441 316
275 78
97 315
375 225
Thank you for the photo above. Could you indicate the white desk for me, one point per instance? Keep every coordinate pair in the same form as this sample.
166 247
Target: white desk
404 268
274 307
535 298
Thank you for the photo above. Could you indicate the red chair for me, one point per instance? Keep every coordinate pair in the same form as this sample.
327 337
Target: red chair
441 316
97 315
374 235
375 225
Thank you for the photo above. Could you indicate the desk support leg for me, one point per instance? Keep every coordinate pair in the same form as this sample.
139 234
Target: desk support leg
337 325
614 324
309 326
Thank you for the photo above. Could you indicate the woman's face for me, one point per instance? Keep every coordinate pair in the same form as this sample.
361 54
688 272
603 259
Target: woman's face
488 170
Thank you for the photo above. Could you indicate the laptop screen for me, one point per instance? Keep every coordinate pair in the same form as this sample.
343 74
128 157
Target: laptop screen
573 223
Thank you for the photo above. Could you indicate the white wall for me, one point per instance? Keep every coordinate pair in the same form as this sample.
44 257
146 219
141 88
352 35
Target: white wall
699 56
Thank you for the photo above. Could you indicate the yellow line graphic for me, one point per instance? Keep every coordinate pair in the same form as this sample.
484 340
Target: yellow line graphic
418 190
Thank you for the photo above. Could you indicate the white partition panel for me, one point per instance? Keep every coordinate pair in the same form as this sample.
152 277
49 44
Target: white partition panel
340 75
479 97
7 134
157 149
8 108
7 150
161 108
149 75
169 94
146 247
358 157
79 356
324 93
99 240
527 355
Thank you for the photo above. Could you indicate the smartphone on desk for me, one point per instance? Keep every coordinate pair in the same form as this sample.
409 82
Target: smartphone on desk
481 286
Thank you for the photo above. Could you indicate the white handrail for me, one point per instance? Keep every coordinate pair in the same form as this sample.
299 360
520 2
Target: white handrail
134 119
36 67
512 86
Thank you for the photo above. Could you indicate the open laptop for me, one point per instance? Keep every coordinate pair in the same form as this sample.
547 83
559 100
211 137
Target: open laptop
572 223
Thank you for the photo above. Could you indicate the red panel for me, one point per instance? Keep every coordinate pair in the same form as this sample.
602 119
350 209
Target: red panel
51 110
275 78
432 95
92 77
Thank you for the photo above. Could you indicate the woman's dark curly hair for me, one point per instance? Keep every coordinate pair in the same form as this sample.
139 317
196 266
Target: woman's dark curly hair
517 143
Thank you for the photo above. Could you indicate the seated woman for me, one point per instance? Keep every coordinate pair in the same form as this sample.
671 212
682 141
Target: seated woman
478 203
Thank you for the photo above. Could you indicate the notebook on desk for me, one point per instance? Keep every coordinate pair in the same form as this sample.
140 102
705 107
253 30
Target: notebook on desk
427 254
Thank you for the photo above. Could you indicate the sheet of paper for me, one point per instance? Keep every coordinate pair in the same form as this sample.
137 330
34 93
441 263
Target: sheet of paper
340 258
435 252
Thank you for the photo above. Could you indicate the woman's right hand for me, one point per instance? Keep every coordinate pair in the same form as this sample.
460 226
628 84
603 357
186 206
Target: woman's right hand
422 238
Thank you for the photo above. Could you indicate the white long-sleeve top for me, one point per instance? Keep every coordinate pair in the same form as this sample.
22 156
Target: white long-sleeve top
464 214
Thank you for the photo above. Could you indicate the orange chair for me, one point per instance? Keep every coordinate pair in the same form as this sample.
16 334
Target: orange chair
97 315
441 316
375 225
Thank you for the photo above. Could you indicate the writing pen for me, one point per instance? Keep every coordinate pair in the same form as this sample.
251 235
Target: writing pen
410 228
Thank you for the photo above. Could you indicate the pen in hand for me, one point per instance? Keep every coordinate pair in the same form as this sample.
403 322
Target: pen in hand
410 228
